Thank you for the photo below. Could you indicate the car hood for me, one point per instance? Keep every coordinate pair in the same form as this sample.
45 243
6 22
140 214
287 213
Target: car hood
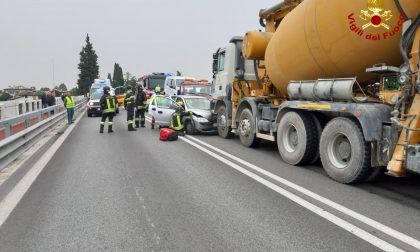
201 112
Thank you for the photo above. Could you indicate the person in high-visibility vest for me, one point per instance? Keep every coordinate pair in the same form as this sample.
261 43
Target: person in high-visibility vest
107 103
69 104
129 104
141 102
157 90
176 120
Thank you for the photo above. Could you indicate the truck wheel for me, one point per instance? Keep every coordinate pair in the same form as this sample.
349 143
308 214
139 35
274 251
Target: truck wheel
297 138
189 128
344 152
223 127
247 129
89 115
319 124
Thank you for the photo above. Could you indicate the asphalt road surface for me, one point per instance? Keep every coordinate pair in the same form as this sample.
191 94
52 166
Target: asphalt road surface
128 191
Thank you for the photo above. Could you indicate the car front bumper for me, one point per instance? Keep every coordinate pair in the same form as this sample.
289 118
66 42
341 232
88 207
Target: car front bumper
205 127
94 110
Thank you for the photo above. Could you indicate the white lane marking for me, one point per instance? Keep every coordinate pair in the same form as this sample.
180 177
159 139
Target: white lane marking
366 220
8 204
364 235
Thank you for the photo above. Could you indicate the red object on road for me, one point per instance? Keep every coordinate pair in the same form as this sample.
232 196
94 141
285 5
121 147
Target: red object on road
168 135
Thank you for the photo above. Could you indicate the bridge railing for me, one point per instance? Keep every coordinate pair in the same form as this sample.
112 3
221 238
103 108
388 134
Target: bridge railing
19 133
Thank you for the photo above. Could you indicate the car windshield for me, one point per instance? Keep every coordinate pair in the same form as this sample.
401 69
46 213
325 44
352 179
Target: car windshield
164 102
197 89
197 103
96 96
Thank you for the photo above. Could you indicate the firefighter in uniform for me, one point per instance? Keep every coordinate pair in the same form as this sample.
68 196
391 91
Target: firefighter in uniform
129 104
107 103
176 120
141 102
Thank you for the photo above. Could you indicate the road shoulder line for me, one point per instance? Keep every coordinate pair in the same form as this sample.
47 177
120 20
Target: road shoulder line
8 204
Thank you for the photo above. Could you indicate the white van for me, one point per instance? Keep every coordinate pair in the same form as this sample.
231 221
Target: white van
172 84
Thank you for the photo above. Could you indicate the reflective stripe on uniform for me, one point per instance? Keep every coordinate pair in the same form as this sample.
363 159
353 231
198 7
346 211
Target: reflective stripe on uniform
109 123
109 101
177 125
102 123
130 122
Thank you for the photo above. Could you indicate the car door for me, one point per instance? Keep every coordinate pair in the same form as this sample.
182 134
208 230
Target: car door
162 109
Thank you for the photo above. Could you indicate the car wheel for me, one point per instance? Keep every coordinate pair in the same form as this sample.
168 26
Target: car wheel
189 128
89 115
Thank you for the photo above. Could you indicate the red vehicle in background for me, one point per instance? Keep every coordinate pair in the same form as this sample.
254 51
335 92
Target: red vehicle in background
195 87
120 94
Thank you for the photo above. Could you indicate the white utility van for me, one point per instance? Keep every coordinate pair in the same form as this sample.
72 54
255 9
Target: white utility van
172 84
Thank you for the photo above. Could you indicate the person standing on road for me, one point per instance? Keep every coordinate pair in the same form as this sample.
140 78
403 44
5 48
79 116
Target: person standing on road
107 103
129 104
141 102
69 104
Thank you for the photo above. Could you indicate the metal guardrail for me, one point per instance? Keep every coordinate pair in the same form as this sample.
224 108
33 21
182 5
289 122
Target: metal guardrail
21 132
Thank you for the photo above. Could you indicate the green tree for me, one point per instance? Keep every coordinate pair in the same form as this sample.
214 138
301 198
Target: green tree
118 78
62 86
75 91
88 66
39 93
5 96
109 77
132 82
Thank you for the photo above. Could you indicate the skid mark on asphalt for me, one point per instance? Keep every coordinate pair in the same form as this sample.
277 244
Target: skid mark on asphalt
155 235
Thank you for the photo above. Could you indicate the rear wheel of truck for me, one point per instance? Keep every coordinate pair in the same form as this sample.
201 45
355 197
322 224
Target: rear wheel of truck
247 129
223 128
345 155
297 138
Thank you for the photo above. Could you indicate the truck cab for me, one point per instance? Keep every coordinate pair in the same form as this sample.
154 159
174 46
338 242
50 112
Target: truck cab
228 64
172 84
151 81
195 87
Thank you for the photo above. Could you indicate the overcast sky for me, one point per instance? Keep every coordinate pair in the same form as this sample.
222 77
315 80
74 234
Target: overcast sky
143 36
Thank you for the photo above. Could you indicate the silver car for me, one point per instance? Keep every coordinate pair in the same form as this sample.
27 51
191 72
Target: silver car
202 120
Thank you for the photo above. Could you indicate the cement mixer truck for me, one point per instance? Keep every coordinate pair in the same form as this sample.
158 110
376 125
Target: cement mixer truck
331 80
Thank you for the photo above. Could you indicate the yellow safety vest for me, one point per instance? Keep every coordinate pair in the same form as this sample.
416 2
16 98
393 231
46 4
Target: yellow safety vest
110 105
69 102
176 123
